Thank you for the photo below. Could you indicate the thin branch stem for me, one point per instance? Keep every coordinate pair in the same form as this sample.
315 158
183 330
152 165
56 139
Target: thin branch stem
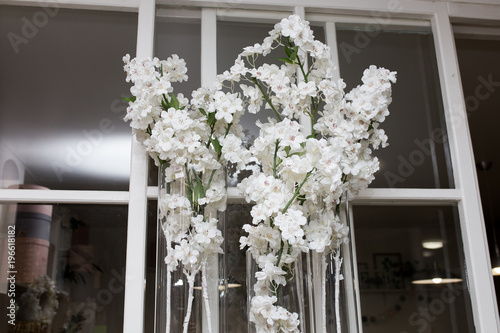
275 164
297 191
256 82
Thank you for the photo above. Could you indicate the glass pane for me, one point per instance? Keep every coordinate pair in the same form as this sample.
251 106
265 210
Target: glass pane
68 246
183 39
232 37
480 73
411 270
60 109
236 216
150 297
417 156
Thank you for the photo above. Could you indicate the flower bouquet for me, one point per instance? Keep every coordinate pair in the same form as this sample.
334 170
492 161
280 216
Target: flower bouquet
300 169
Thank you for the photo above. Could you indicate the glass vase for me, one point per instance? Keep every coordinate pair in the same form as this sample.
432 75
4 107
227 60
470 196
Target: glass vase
290 296
333 301
186 302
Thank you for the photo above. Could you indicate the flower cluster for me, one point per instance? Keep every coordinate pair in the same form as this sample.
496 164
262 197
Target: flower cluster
271 318
303 172
189 141
180 140
192 238
300 173
39 303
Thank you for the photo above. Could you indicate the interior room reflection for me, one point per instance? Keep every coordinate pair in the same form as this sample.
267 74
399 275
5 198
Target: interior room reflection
67 275
480 74
410 270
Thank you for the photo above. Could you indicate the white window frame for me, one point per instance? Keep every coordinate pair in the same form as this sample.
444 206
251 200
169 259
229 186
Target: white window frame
465 195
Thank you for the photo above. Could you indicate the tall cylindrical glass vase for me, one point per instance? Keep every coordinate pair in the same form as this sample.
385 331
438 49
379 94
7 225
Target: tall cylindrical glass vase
191 269
333 285
291 296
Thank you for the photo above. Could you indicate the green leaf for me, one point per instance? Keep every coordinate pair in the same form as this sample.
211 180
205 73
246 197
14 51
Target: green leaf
164 162
129 99
199 189
286 60
165 105
287 150
287 50
216 144
301 199
294 54
189 193
299 153
174 102
203 112
211 119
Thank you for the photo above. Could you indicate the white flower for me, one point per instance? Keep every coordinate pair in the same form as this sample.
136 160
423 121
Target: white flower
290 225
174 69
271 273
254 96
263 307
233 151
291 26
186 253
306 89
225 105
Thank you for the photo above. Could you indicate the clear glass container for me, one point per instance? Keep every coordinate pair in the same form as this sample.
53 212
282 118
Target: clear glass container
187 300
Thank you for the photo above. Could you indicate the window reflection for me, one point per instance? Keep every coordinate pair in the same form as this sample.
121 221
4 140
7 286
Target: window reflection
60 97
410 270
68 272
417 155
480 81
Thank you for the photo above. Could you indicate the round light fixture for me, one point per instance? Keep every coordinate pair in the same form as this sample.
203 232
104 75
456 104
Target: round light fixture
437 280
432 244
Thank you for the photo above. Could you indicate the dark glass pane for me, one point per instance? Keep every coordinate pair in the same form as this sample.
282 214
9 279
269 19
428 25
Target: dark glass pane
71 247
417 155
60 97
236 216
411 270
480 73
150 297
232 37
183 39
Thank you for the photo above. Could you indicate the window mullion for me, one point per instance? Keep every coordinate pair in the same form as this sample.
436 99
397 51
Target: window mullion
63 196
208 77
471 218
137 215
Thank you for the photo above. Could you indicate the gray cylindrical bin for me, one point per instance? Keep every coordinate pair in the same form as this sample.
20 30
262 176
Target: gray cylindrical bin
32 238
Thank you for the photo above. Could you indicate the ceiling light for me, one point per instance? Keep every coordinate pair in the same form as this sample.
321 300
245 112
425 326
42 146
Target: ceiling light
432 244
436 276
437 280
